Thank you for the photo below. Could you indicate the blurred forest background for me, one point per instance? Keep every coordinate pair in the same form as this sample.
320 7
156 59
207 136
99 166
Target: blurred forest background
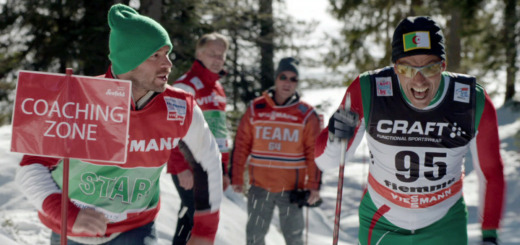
482 39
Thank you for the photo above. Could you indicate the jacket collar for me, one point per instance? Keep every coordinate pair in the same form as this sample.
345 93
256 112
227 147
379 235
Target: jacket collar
206 76
269 96
109 73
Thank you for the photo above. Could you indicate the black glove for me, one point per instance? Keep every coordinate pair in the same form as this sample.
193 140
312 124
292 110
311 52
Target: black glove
342 124
301 196
489 241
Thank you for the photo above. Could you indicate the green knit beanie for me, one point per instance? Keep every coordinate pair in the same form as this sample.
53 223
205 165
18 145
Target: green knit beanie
133 38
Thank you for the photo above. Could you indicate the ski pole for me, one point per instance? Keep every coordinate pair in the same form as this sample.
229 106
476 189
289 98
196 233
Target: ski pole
340 180
307 226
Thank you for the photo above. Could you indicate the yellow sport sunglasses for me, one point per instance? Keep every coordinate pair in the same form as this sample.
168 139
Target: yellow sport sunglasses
427 70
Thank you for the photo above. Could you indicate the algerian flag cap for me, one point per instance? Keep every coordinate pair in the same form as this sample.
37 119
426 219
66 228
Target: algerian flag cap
416 40
417 35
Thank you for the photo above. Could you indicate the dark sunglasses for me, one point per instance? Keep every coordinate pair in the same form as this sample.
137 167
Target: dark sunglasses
292 79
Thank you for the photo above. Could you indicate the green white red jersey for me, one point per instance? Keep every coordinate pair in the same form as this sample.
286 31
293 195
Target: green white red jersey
210 97
417 155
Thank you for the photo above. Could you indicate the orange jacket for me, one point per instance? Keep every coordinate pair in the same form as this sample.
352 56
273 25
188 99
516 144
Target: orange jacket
279 143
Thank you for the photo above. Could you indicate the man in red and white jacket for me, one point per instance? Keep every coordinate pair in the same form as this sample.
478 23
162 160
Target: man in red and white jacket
202 82
117 203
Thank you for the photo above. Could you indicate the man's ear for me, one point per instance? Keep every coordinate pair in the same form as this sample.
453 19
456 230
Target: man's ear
198 53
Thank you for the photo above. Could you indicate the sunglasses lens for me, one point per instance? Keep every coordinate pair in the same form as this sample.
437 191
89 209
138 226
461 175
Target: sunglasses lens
407 71
292 79
427 71
431 70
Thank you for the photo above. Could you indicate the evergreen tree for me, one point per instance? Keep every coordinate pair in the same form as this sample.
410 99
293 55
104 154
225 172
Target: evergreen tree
57 34
366 37
183 21
511 45
51 36
256 32
266 43
469 27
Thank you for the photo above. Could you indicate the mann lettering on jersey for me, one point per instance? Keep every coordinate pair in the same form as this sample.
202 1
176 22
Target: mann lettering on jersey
176 109
416 197
161 144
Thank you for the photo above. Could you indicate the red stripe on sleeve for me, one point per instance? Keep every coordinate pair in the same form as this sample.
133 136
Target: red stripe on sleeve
491 164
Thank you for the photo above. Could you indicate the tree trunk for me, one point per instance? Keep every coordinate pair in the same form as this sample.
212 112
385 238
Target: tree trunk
234 48
125 2
151 9
265 42
510 35
453 41
94 48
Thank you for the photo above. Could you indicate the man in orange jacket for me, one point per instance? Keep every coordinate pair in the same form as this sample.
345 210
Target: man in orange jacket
278 133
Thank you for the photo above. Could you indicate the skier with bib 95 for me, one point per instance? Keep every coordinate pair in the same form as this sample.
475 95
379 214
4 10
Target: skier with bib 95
420 121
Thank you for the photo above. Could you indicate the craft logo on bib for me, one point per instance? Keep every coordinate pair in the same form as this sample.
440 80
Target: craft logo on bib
462 93
384 86
416 40
176 109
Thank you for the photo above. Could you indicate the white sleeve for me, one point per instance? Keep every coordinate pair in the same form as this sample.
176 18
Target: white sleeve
184 87
204 149
36 183
331 155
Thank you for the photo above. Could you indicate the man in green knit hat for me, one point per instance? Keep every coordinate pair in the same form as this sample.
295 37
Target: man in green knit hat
117 203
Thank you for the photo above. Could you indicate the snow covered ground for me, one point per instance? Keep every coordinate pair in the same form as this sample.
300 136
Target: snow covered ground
19 223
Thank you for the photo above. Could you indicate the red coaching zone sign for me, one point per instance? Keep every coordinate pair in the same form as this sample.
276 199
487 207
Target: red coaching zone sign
71 116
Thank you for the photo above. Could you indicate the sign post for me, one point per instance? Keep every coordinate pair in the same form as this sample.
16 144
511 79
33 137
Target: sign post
65 185
68 116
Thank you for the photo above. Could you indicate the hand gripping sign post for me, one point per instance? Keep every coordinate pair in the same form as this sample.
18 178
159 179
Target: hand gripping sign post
71 117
